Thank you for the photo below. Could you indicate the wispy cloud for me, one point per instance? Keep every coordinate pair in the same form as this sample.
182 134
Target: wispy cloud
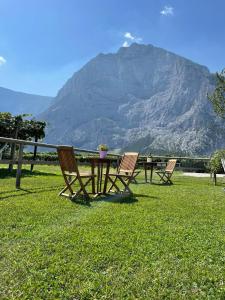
130 38
125 44
2 60
167 11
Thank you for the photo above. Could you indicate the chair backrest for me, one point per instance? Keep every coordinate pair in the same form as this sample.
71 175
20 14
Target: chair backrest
223 163
128 163
67 159
170 165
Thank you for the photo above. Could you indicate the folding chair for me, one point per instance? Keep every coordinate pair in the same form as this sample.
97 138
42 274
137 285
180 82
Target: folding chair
125 172
71 173
166 174
135 174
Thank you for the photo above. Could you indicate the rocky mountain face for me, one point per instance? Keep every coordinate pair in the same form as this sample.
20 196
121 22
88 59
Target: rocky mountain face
21 103
140 98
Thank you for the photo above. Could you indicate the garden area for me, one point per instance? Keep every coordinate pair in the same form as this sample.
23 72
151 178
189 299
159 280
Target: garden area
165 242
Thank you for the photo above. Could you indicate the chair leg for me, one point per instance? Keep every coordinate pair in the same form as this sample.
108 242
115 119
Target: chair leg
165 177
126 185
161 176
73 194
113 184
169 179
82 189
135 175
68 185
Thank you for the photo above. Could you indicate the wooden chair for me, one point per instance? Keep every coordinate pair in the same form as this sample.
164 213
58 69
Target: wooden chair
71 173
125 173
166 174
135 174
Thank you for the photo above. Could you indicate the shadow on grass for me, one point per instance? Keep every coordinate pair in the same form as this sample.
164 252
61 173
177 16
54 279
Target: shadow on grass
22 192
174 183
119 198
116 198
81 201
146 196
156 183
123 198
219 183
4 173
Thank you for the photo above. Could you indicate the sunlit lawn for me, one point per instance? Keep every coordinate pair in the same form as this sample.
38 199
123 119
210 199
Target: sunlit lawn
168 242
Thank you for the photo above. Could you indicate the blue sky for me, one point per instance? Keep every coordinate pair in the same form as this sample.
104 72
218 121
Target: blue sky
43 42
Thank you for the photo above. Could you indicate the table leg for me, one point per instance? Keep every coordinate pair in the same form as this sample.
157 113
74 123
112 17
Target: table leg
93 178
146 179
106 178
100 180
151 174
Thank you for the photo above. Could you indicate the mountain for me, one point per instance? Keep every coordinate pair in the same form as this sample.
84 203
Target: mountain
19 103
141 98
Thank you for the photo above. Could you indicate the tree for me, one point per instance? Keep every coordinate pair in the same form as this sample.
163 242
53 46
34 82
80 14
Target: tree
7 125
37 130
218 97
18 128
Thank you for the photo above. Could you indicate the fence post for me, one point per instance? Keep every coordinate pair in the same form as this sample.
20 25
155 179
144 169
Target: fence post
19 167
35 154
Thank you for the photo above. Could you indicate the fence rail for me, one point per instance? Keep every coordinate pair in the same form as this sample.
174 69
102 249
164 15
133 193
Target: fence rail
19 162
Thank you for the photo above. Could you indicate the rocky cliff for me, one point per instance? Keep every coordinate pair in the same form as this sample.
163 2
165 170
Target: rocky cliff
141 97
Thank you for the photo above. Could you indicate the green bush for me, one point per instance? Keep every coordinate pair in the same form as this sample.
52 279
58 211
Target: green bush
215 161
197 165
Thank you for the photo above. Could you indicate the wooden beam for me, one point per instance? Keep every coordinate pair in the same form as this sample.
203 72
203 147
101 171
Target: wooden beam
19 167
28 162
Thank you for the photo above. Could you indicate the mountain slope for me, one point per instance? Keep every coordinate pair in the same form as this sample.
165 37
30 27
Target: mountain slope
141 96
19 103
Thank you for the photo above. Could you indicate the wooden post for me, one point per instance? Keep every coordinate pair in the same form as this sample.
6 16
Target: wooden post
19 167
13 149
35 154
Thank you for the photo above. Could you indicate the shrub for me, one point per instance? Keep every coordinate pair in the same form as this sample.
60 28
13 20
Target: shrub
196 165
215 161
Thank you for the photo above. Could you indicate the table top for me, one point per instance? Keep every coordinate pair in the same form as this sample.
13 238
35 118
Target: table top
149 163
99 160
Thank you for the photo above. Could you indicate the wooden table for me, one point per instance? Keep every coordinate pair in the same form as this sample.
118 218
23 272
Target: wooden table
149 166
100 186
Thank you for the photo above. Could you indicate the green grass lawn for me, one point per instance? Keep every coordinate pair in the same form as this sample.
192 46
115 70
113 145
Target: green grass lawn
168 242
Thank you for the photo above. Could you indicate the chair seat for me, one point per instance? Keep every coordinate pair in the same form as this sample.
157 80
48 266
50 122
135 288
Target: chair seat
126 171
82 174
167 172
119 175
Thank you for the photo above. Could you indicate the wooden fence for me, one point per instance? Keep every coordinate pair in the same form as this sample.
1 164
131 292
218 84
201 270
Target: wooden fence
20 161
